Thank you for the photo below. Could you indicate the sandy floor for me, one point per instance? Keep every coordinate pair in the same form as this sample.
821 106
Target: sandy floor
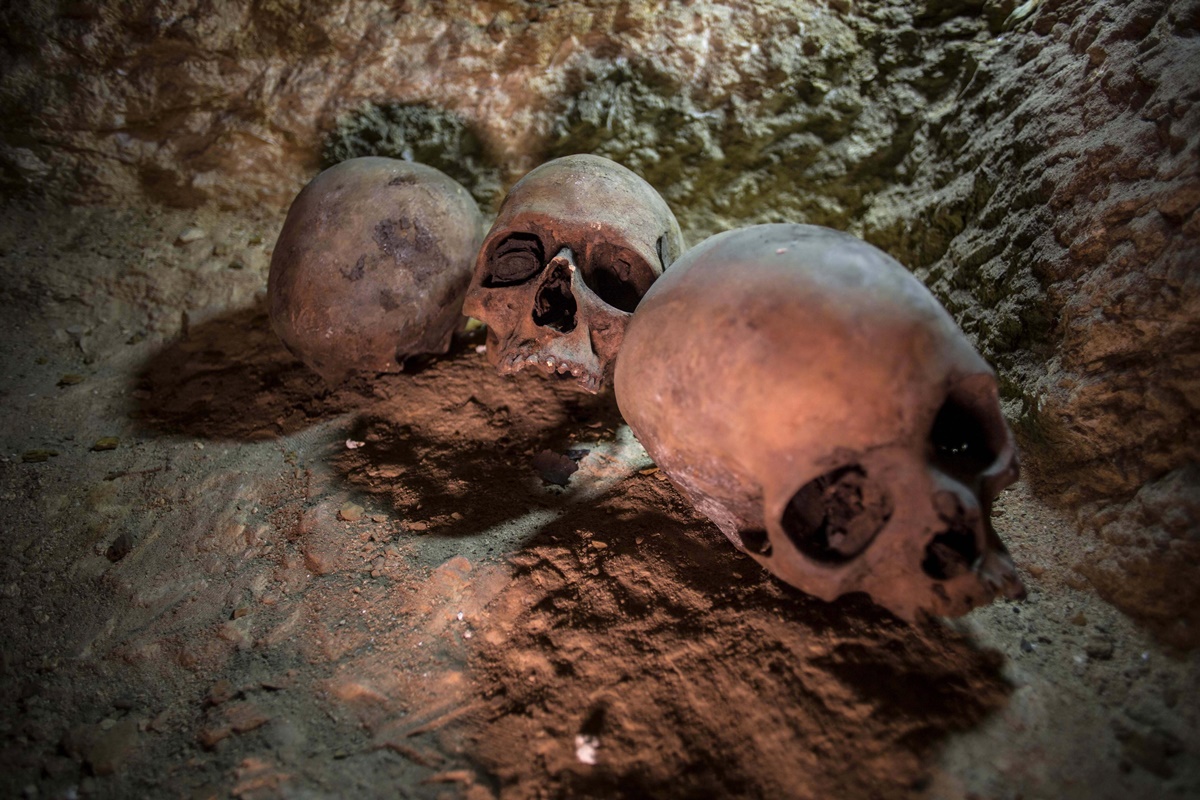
219 578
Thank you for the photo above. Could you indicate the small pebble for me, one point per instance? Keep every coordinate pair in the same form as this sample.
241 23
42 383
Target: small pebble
37 456
379 517
555 468
121 547
220 692
1099 648
211 737
418 526
350 512
70 379
106 443
246 716
189 235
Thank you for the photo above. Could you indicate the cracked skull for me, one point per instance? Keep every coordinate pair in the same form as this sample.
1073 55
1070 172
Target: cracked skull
372 265
815 401
577 243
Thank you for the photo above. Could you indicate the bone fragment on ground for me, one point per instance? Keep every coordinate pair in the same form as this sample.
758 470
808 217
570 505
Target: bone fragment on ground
815 401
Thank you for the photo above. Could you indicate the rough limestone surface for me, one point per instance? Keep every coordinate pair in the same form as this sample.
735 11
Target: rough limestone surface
1037 165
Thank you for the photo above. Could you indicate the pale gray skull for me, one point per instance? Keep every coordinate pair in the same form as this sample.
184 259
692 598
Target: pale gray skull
577 243
814 400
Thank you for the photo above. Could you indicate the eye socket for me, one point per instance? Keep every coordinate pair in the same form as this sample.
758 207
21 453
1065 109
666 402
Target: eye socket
835 516
515 259
613 273
962 446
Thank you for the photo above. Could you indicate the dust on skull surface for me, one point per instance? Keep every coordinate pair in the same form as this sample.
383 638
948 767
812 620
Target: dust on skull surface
372 265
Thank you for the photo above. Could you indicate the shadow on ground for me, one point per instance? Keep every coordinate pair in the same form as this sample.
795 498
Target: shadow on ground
689 672
633 652
231 378
624 647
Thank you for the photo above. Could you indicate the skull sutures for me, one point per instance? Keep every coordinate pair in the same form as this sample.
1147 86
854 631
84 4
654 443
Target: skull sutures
577 243
814 400
372 265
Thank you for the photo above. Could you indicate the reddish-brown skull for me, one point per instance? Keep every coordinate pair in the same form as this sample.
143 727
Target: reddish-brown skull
372 265
577 243
814 400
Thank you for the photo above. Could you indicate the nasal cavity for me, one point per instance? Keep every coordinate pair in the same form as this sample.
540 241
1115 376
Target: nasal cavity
554 306
951 553
834 517
954 550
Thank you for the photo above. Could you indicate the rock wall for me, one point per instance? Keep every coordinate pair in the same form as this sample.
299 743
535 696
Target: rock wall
1037 165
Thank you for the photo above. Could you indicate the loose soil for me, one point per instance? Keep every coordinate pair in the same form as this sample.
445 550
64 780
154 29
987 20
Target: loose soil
270 588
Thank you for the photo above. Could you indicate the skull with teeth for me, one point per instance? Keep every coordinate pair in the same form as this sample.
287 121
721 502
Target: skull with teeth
814 400
577 243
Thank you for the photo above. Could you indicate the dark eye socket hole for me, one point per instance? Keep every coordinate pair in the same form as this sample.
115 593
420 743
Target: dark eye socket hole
610 287
660 247
612 272
515 259
960 441
835 516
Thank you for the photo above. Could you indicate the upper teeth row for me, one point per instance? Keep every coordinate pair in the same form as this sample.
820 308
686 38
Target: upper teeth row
518 361
563 367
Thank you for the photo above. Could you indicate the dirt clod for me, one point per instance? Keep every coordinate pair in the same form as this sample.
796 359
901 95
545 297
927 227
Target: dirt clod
113 747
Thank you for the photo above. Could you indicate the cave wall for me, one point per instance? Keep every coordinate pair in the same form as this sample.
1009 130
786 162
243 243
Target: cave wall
1037 165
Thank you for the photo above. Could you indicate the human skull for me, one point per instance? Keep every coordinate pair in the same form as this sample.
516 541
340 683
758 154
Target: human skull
814 400
577 243
372 265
